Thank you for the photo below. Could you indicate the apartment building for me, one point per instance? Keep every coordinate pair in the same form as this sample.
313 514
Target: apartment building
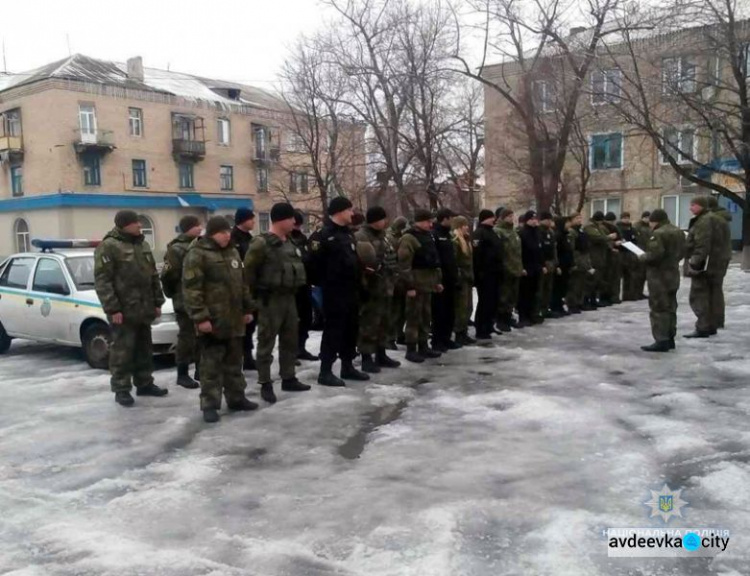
82 138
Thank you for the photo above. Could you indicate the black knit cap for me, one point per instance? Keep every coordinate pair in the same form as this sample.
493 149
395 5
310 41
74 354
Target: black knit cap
217 224
243 215
282 211
598 216
485 214
658 215
546 215
499 211
529 215
646 214
299 218
125 218
444 213
188 222
339 204
610 217
420 215
375 214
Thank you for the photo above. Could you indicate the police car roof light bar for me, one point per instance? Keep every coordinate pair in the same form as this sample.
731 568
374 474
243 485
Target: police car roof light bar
49 245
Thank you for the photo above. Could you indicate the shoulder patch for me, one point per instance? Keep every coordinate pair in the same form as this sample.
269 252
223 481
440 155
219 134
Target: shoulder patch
235 264
314 245
475 243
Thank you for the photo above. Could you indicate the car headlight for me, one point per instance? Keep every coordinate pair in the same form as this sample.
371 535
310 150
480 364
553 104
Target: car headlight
164 318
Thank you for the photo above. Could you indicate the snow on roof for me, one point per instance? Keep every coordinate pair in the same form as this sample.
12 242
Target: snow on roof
86 69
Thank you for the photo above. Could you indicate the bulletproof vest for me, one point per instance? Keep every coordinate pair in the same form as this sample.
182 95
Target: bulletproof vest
283 268
427 255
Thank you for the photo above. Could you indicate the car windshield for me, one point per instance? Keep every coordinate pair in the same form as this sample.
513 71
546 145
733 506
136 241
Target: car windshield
82 270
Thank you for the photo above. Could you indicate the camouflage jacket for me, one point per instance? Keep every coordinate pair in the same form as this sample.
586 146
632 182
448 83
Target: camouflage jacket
705 246
579 243
722 218
171 273
126 278
273 265
419 261
665 249
214 288
598 243
512 257
464 261
642 234
377 254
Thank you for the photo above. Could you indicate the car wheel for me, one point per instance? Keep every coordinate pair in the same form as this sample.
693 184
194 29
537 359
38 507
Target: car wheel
96 342
4 340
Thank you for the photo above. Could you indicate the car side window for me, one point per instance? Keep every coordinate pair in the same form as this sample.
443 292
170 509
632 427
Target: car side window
16 274
49 278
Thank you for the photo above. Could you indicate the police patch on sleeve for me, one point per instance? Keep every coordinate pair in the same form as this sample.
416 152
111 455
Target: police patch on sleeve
475 243
314 245
235 264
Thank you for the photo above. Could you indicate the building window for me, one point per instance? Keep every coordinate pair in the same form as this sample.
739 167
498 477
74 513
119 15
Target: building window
677 208
136 121
298 182
295 143
12 122
139 174
606 151
544 96
678 76
16 180
605 205
21 233
681 144
186 175
222 127
87 118
92 175
260 138
605 86
147 229
227 178
261 174
715 145
264 221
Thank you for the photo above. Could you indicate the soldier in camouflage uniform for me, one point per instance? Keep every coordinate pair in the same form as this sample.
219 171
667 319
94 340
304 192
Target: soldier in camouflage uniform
581 284
244 224
614 262
642 235
274 272
171 281
600 240
512 269
397 306
378 261
665 249
129 290
722 228
630 262
707 262
420 269
548 242
218 302
304 294
463 246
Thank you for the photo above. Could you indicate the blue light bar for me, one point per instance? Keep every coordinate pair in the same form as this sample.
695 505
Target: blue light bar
49 245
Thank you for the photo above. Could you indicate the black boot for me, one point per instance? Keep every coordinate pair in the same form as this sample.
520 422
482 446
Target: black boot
369 365
401 339
305 355
502 326
197 373
661 346
243 405
124 399
463 339
267 393
383 360
412 355
327 378
698 334
294 385
152 390
249 363
672 345
452 345
438 347
211 416
349 372
424 350
184 379
391 345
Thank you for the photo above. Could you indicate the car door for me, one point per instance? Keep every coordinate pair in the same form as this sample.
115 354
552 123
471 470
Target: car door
50 316
15 302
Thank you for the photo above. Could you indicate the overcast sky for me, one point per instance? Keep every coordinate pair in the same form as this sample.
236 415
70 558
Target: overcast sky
240 40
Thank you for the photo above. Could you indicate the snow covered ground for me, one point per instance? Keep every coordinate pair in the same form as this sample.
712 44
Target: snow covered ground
507 460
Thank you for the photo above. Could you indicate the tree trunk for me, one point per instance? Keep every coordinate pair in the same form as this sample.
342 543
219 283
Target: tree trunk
746 232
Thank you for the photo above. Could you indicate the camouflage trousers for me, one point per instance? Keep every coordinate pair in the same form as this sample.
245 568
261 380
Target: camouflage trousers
221 371
464 307
662 305
131 357
614 277
277 317
374 323
508 296
397 313
418 317
633 273
186 352
707 301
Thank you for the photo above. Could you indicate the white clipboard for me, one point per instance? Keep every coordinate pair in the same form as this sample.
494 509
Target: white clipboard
633 248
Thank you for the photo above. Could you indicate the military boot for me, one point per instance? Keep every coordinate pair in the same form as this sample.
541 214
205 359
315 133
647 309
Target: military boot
184 379
369 365
412 355
305 355
463 339
294 385
124 399
211 416
383 360
661 346
327 378
267 393
391 345
349 372
426 352
672 345
243 405
698 334
151 390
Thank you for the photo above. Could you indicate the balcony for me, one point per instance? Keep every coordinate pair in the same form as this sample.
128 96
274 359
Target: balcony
11 148
96 142
264 155
188 149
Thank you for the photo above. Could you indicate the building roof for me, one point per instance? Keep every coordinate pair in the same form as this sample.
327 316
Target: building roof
86 69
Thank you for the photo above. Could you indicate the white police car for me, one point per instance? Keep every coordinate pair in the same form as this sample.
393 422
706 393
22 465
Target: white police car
49 296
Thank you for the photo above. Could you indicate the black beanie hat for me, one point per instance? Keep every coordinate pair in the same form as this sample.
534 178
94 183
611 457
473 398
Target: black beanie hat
281 211
646 214
485 214
125 218
375 214
598 216
545 215
658 215
339 204
499 211
189 222
530 215
217 224
243 215
610 217
299 218
444 213
420 215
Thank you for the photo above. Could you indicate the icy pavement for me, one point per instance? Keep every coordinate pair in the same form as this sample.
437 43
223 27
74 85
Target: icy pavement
508 460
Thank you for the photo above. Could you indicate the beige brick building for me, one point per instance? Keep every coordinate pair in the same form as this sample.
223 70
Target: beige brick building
82 138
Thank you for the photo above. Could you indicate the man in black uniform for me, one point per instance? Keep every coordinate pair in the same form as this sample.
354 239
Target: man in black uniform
531 254
244 223
564 263
304 294
334 258
488 269
444 303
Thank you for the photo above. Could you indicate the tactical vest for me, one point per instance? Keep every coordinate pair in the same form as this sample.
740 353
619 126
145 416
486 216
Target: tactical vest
283 268
427 256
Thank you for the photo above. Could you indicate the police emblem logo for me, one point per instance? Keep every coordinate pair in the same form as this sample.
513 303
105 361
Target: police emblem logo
314 245
46 307
475 243
235 264
666 503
